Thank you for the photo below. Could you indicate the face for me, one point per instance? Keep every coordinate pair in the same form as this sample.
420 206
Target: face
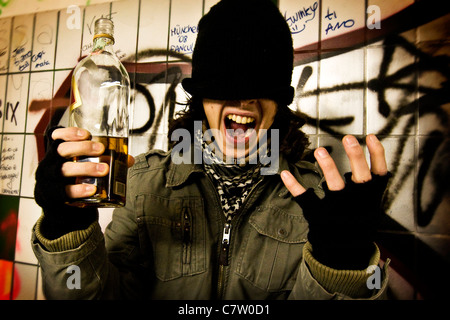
237 124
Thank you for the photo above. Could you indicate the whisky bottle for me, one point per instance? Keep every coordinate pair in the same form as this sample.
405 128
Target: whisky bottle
100 100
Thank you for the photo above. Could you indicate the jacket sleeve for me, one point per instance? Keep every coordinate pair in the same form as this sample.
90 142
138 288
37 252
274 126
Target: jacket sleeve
77 273
86 264
316 281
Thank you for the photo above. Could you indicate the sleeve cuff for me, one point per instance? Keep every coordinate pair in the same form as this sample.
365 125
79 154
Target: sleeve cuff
352 283
66 242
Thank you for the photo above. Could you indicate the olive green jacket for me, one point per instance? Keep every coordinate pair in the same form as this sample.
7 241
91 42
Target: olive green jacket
167 243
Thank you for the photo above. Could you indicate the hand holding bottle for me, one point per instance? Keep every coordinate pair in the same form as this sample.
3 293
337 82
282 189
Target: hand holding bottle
56 176
76 144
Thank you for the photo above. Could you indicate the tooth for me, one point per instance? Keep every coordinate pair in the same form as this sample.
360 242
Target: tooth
238 119
244 120
250 119
230 117
234 117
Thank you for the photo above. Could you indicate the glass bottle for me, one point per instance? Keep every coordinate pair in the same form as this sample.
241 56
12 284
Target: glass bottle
100 99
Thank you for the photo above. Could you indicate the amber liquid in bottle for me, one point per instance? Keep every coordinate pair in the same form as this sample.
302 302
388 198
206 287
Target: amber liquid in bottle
111 189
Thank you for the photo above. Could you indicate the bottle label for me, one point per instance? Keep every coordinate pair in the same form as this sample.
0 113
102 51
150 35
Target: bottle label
75 99
120 174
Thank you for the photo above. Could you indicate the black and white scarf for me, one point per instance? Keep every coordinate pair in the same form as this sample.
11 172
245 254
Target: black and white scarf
232 181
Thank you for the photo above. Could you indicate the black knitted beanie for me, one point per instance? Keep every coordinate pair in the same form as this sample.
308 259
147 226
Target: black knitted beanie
243 51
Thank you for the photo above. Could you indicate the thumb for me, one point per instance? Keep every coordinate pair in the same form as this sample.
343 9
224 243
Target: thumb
131 161
291 183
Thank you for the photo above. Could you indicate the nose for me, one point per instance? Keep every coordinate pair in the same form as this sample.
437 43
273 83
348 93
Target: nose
247 102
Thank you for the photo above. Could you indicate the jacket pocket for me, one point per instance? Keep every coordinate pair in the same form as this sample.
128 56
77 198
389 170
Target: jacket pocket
176 232
271 251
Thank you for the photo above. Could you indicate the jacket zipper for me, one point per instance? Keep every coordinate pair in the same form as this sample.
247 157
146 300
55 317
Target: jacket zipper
223 254
186 236
223 257
225 247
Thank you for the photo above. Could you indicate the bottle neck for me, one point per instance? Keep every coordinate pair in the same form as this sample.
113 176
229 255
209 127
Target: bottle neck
103 43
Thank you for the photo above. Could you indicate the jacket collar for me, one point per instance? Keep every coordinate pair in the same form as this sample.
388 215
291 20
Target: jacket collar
178 174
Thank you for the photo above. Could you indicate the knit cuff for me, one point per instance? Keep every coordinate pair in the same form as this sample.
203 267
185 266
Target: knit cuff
69 241
352 283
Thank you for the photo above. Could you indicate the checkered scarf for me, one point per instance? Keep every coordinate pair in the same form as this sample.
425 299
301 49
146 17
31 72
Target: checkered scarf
233 181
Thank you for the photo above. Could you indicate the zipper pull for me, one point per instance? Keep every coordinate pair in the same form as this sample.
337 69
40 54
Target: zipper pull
223 257
186 228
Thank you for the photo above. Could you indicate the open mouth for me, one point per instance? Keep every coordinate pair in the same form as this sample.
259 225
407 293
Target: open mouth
239 127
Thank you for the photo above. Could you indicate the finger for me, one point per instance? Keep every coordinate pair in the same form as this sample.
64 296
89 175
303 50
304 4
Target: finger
131 161
80 148
329 169
80 190
291 183
80 169
377 155
360 168
70 134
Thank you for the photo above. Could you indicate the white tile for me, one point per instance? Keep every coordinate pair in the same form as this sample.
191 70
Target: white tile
68 45
340 17
44 42
433 203
61 85
335 70
153 30
24 285
125 18
400 157
29 166
303 20
145 113
29 213
21 42
431 87
5 33
16 103
341 91
12 150
304 80
39 98
391 103
184 17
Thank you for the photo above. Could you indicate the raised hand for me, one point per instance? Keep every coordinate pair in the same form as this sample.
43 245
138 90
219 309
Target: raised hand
342 224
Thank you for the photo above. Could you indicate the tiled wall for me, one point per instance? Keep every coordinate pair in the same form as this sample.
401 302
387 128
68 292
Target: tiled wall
351 76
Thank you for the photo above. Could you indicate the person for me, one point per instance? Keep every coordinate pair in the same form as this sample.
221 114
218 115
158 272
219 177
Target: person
250 218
